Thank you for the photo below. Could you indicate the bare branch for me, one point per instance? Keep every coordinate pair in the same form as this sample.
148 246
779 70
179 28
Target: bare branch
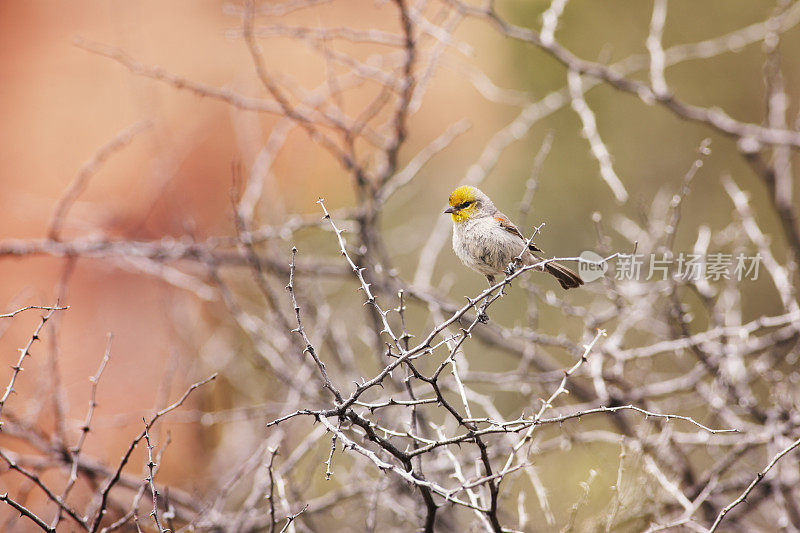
742 497
23 353
89 169
24 511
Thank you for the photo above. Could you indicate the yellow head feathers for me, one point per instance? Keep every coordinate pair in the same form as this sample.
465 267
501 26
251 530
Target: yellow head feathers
465 193
463 203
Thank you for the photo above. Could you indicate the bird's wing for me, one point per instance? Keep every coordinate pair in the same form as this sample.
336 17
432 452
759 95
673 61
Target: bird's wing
509 226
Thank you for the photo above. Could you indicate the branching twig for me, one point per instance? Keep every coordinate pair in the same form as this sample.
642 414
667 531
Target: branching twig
81 181
101 511
23 353
742 497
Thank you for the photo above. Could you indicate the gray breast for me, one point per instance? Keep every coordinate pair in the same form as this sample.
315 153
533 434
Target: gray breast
481 247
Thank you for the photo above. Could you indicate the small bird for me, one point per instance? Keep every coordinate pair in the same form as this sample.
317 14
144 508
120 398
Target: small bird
486 241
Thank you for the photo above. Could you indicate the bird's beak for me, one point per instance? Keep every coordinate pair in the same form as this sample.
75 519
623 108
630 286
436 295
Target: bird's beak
450 210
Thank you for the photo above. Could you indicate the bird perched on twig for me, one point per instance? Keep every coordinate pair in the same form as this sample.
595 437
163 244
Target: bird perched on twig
486 241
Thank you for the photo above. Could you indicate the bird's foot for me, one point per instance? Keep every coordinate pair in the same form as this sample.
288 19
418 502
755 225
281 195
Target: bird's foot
511 268
483 318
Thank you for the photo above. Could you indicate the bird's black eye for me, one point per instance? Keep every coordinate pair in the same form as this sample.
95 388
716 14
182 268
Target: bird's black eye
464 205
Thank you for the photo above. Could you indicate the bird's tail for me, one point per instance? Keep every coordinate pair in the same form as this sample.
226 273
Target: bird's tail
566 277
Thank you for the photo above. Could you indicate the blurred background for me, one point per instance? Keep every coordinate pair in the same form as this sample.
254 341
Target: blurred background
74 75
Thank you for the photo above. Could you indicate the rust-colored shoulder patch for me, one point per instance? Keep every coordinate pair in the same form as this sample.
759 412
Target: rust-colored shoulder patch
508 226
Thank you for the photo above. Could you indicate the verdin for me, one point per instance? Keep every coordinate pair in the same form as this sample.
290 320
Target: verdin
486 241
